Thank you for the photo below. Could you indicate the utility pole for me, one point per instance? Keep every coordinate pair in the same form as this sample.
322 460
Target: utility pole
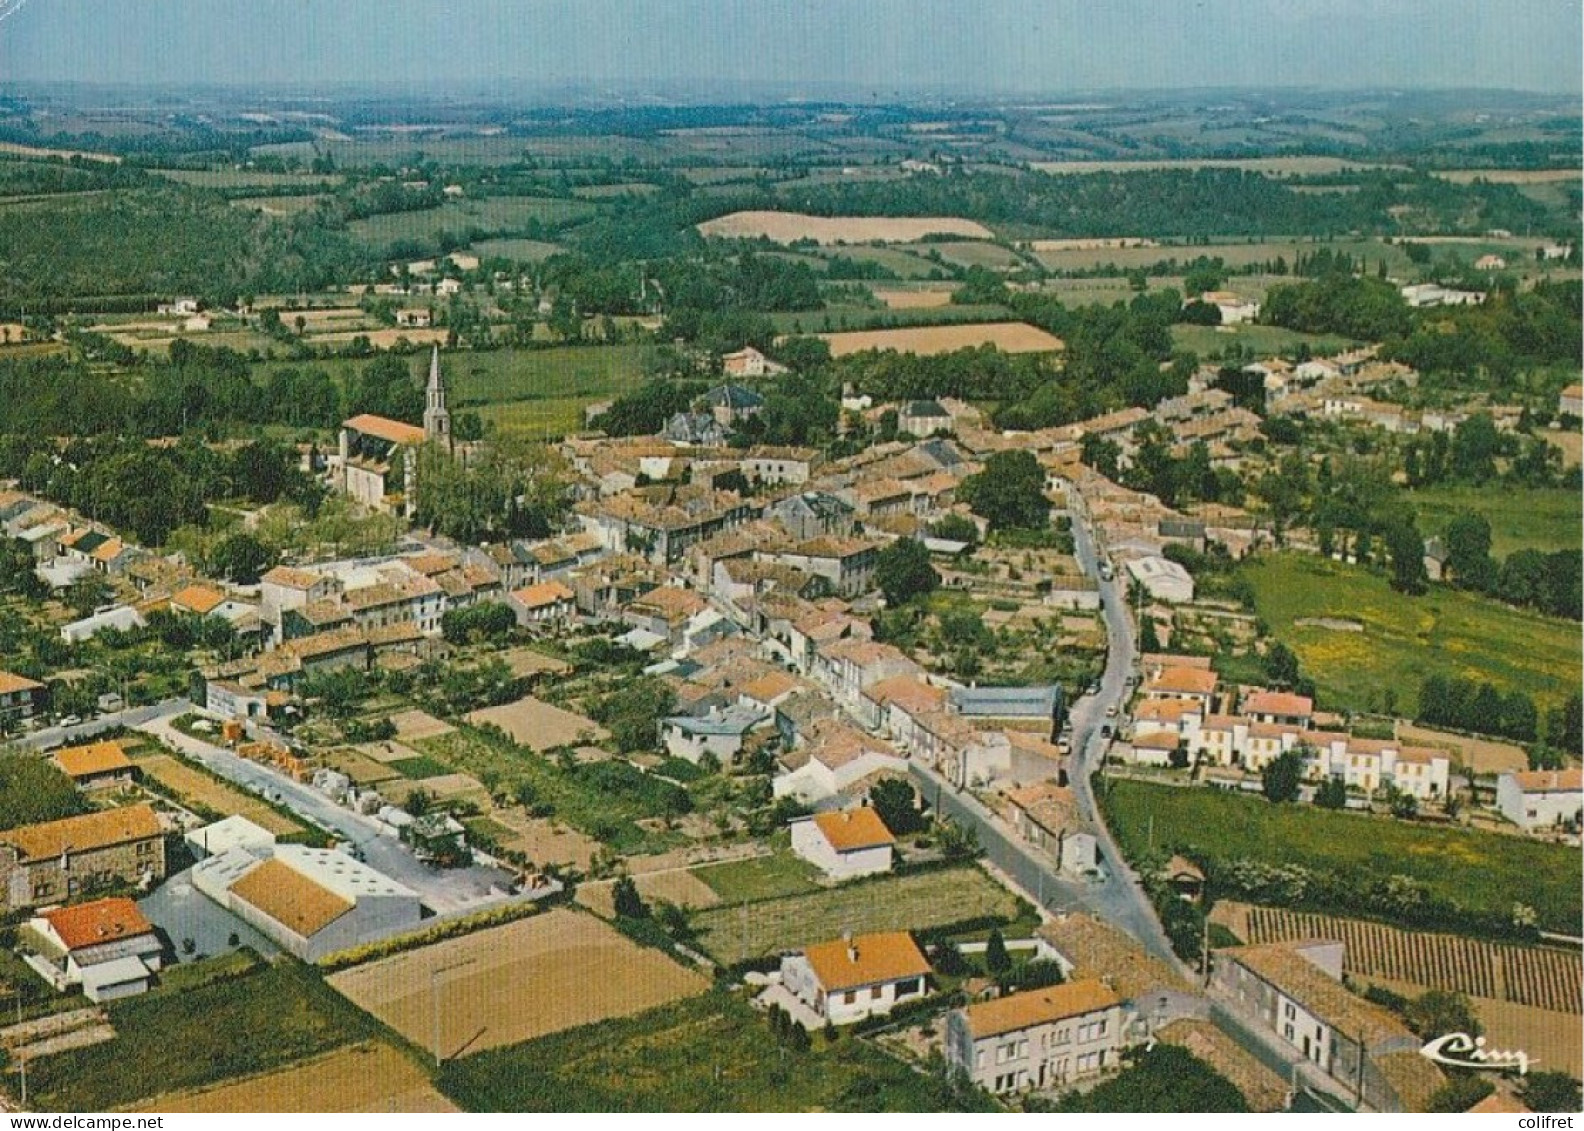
434 1001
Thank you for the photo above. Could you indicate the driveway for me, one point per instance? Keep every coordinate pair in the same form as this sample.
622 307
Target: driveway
443 891
183 912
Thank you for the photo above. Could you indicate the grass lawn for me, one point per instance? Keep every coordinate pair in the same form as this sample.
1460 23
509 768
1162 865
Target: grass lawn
603 799
1521 518
517 250
707 1053
1405 639
1263 340
763 877
1476 870
893 903
419 767
219 1031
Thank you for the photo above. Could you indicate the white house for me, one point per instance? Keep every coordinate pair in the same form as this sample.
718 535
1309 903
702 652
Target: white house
106 947
720 732
1541 799
1037 1038
1162 579
838 757
854 842
848 979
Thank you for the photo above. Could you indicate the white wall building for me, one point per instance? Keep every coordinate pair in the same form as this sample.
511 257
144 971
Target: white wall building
1037 1038
310 901
848 979
1541 799
1162 579
853 842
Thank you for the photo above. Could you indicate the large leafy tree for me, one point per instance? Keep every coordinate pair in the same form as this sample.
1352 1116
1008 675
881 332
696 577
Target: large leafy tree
903 571
1281 777
1010 492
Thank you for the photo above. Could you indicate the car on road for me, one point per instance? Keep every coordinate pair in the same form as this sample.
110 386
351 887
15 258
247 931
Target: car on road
71 721
1111 711
1106 573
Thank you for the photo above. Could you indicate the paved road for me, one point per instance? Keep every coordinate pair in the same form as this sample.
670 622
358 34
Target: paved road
444 892
1123 901
51 737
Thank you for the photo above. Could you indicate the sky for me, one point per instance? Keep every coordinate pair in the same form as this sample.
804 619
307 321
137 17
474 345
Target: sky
868 47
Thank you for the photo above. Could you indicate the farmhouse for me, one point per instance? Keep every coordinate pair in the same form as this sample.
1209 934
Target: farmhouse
731 405
99 765
1037 1038
1046 815
853 842
1570 402
749 362
851 978
105 947
1295 991
544 603
1541 799
20 698
311 901
56 860
923 418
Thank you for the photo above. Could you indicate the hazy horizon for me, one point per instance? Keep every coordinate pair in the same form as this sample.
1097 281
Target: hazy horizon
851 48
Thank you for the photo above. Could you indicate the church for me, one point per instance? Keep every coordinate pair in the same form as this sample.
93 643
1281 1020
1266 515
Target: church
378 457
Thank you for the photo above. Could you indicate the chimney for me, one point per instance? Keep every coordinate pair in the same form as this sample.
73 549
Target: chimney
852 949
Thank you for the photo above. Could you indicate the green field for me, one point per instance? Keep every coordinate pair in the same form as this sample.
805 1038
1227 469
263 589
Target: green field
707 1053
1521 518
501 376
763 877
603 799
1480 871
1405 639
893 903
170 1040
419 768
1233 255
905 264
1262 340
248 178
971 253
495 216
539 392
517 250
279 205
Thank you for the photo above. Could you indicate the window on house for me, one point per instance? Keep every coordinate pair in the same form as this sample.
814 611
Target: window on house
874 993
850 996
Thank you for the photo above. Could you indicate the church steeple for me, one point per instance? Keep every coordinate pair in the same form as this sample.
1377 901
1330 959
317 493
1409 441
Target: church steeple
436 420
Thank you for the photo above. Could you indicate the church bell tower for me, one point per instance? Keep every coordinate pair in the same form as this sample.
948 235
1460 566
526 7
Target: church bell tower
436 419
